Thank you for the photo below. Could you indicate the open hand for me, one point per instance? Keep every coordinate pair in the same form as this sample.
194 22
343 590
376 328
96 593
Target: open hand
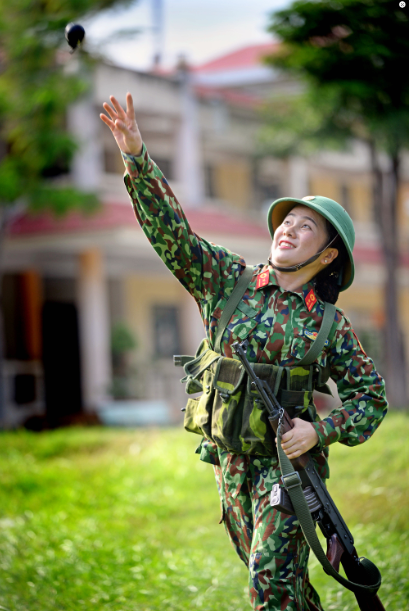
123 125
300 439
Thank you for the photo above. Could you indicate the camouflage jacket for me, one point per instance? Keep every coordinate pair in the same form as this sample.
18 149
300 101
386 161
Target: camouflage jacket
279 324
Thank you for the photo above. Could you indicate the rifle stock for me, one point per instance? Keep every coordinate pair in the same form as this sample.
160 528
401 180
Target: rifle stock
328 517
352 569
336 552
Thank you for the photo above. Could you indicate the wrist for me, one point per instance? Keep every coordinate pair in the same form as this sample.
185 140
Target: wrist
136 151
136 165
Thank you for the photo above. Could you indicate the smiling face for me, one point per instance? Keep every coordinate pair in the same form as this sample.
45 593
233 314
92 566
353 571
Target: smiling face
300 236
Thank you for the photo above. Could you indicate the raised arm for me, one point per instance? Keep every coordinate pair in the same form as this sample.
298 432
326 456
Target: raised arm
209 272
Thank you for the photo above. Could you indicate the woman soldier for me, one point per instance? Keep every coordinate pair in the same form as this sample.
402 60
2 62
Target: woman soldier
280 313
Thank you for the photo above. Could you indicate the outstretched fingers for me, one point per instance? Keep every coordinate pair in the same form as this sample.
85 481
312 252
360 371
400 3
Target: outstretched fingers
114 121
107 121
117 114
130 111
110 111
120 111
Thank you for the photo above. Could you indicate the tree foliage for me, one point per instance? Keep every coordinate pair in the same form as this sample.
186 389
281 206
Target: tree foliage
354 52
300 125
352 58
36 87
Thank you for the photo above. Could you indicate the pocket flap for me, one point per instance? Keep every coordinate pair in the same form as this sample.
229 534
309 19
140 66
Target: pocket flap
247 310
196 367
228 376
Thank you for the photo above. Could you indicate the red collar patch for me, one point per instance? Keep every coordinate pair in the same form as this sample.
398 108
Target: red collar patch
310 300
262 280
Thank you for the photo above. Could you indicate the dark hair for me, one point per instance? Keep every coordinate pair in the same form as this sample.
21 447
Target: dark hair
326 281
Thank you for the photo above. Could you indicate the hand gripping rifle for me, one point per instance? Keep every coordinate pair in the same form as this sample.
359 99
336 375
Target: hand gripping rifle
305 495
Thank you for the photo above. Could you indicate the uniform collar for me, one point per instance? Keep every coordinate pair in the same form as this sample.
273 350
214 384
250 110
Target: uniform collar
266 276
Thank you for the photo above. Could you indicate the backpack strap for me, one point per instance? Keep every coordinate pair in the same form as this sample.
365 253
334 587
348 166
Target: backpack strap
232 303
323 333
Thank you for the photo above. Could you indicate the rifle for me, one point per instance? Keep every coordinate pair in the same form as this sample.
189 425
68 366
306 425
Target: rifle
315 504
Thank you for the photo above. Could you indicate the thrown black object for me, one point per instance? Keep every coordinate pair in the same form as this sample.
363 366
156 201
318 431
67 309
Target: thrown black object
74 33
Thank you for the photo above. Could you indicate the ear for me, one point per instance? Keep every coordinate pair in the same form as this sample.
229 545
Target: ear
329 256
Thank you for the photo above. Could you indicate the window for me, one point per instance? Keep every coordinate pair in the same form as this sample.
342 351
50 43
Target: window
112 161
166 331
271 191
267 178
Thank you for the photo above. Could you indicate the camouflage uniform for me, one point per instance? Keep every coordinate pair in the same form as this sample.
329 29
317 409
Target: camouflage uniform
280 326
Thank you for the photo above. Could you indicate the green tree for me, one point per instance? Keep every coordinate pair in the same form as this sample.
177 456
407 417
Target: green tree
35 91
352 58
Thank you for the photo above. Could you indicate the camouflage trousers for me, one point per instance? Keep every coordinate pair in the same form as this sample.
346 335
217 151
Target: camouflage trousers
270 543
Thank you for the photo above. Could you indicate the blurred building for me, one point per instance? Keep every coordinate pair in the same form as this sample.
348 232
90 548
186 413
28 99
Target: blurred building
70 283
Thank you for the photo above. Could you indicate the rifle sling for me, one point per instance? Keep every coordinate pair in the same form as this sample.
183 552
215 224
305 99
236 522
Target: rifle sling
306 522
323 333
231 305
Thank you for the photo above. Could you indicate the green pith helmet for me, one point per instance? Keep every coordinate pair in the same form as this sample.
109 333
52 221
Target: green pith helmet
329 209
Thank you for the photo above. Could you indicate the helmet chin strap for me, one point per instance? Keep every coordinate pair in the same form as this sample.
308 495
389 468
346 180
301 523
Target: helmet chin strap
298 266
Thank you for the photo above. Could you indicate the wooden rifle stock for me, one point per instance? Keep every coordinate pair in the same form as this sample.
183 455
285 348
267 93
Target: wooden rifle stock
336 552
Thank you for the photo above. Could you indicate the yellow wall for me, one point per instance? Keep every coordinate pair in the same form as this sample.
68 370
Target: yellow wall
141 294
324 185
359 190
233 183
364 301
403 214
365 307
361 201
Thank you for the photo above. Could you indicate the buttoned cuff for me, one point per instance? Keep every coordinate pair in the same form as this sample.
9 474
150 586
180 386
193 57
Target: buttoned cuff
138 165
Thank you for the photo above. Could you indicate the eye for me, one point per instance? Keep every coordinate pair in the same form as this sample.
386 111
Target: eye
306 225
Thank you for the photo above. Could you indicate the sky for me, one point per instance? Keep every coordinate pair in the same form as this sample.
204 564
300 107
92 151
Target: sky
199 30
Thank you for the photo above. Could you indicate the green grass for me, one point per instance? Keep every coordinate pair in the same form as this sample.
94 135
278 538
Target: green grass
120 520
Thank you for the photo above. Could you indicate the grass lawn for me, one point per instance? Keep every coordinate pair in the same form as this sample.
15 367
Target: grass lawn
127 520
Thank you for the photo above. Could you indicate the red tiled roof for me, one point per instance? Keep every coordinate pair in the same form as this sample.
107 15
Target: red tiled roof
202 220
235 98
245 57
112 216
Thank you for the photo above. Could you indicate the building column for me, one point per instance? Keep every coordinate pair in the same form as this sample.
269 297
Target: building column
84 124
189 171
94 328
32 301
298 177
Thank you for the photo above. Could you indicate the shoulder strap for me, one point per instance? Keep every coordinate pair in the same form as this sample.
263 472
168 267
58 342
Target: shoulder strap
232 303
323 333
